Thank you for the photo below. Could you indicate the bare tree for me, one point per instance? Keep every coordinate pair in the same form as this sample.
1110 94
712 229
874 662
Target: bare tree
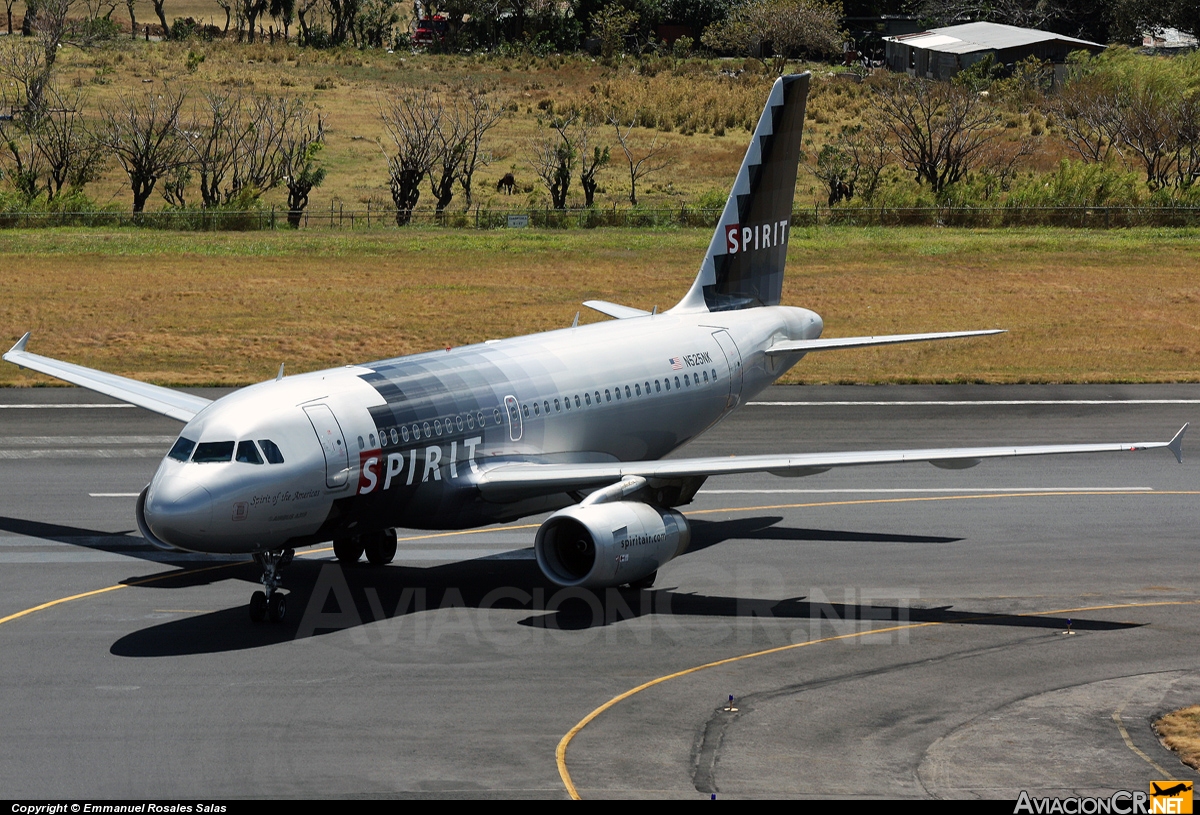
642 161
1088 116
145 137
299 145
71 153
411 121
555 156
852 162
479 115
447 165
939 129
592 157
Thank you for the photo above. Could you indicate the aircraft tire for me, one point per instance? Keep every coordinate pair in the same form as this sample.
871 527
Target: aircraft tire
277 607
381 547
258 607
348 549
644 582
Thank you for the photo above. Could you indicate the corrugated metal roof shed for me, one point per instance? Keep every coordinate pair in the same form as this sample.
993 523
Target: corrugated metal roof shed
971 37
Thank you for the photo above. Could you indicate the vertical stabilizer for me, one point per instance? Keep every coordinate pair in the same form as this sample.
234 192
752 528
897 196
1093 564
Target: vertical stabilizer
744 264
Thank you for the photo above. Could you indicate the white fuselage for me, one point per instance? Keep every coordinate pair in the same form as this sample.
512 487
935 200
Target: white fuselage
398 442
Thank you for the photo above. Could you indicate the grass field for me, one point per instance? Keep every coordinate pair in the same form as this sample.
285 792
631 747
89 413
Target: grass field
194 309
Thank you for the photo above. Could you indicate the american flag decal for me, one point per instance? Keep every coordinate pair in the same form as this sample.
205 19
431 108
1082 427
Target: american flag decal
676 363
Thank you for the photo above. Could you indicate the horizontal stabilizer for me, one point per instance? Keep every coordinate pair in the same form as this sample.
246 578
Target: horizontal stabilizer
175 404
835 343
615 309
504 480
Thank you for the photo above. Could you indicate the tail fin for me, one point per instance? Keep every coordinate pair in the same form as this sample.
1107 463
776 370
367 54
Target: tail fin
745 260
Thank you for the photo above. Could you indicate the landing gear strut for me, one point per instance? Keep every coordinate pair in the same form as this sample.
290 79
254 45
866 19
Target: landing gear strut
270 603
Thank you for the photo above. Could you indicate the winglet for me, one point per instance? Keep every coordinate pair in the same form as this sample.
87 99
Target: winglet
21 343
1176 444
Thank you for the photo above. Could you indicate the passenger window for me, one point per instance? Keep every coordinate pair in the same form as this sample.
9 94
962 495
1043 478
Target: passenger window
362 445
525 410
470 421
536 412
687 381
667 383
372 438
458 423
657 387
181 449
546 406
212 452
403 434
618 390
437 426
495 415
676 383
628 393
597 397
577 400
247 453
271 451
557 405
587 397
425 430
607 395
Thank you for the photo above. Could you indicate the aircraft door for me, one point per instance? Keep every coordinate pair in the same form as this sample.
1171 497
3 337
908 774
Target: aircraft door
734 359
516 426
333 444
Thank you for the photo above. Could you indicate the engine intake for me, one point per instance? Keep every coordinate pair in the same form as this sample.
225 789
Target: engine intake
609 544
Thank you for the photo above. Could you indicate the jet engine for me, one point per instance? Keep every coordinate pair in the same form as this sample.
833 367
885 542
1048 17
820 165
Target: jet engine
609 544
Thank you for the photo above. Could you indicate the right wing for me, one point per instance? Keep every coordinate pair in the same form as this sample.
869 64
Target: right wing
509 480
168 402
836 343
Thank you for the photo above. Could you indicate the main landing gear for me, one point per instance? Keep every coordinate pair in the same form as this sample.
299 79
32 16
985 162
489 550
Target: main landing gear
380 548
270 603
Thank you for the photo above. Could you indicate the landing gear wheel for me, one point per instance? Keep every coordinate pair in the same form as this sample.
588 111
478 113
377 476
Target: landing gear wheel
277 607
269 603
644 582
381 547
348 550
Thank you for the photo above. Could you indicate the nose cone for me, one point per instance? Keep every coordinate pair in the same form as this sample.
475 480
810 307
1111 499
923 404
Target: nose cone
179 512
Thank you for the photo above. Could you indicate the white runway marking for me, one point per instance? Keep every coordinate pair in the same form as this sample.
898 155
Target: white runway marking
983 403
114 494
79 406
973 490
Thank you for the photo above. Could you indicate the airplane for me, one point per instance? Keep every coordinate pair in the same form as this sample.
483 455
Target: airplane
575 422
1183 786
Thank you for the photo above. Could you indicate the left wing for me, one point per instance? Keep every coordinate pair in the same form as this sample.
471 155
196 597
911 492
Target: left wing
504 481
176 404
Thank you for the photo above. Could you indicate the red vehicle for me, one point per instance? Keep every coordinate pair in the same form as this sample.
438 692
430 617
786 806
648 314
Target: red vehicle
430 29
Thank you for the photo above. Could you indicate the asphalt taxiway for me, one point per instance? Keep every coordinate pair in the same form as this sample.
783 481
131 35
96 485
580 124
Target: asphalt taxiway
884 631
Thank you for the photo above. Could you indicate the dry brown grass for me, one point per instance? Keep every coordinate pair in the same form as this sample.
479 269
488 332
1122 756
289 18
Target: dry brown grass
1180 733
228 308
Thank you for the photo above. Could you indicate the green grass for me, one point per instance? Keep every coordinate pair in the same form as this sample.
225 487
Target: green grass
201 308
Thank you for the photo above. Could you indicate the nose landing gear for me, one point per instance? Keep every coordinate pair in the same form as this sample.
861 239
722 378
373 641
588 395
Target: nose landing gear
270 603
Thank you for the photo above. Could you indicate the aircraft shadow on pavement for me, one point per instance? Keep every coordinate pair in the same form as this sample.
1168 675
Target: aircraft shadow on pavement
710 533
325 597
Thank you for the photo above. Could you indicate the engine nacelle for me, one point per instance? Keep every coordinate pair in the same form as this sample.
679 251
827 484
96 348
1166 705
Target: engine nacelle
609 544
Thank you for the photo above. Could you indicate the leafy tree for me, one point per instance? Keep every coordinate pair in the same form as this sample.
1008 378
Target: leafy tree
610 25
775 31
555 156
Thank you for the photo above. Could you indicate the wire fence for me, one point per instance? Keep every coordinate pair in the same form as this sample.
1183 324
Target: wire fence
339 217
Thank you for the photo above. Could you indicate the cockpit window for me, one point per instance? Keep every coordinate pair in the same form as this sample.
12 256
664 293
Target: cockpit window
271 451
210 452
247 453
182 449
